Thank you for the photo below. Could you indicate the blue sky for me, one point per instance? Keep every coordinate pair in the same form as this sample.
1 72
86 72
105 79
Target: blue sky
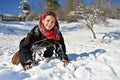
11 6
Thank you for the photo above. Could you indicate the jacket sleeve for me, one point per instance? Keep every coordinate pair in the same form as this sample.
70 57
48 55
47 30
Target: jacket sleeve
25 55
63 54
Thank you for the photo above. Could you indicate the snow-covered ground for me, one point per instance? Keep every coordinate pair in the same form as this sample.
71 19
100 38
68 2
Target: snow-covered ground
90 59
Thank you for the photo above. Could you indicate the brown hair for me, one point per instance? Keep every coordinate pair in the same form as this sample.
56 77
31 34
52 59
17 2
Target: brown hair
50 13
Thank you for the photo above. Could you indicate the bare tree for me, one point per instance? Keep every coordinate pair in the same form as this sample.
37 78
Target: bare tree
38 9
69 8
112 5
109 7
54 6
92 15
72 10
90 18
32 16
102 4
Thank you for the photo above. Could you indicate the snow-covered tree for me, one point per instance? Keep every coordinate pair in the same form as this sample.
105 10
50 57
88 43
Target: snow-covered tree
25 6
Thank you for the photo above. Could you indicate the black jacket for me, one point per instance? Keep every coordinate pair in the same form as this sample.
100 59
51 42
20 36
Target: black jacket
33 36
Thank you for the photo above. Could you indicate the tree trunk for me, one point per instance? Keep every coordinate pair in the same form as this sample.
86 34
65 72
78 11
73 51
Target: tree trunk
94 36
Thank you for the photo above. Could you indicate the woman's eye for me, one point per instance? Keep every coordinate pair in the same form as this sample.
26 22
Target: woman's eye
52 22
48 20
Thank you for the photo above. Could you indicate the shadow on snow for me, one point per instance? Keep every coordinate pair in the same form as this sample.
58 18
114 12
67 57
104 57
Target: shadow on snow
6 75
112 35
10 30
68 29
74 56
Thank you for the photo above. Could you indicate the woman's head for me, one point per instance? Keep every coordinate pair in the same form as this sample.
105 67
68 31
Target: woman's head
48 19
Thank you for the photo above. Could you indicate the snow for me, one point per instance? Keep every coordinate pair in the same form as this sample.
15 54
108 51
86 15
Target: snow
91 59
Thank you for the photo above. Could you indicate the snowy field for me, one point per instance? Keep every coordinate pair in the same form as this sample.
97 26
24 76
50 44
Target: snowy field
90 59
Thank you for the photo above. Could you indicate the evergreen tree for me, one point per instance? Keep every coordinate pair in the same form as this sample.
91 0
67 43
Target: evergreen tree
25 6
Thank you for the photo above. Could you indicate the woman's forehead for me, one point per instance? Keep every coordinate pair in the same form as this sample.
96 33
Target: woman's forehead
50 17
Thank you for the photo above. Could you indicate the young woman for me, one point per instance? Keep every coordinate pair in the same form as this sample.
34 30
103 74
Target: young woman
48 28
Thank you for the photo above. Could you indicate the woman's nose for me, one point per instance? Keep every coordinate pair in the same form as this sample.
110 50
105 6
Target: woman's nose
50 24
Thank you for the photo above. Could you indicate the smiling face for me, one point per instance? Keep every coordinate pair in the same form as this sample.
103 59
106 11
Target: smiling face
48 22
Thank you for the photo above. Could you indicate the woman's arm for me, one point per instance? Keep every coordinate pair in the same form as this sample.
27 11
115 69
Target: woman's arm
63 55
26 44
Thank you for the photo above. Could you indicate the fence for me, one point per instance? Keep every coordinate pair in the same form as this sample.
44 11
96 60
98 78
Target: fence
10 17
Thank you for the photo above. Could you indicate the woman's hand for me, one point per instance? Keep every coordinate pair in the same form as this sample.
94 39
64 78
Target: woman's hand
27 67
66 62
